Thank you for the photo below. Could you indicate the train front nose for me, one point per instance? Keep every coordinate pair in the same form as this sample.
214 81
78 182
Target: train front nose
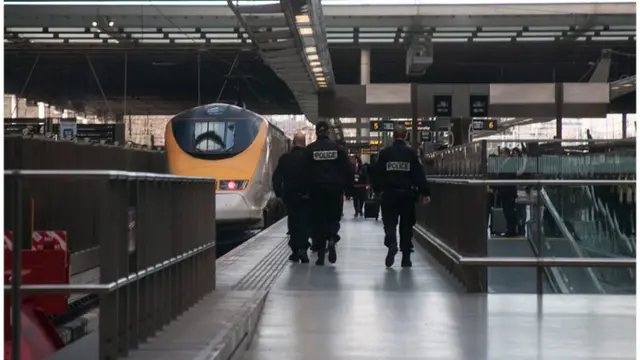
233 206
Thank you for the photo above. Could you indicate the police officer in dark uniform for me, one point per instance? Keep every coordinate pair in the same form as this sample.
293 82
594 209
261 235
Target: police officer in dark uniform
398 174
289 184
329 175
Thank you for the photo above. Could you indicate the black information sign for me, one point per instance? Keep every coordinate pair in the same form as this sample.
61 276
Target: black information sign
485 125
479 106
442 105
388 125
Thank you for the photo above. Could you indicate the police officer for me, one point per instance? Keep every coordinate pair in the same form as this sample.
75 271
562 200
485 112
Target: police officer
290 185
398 173
329 176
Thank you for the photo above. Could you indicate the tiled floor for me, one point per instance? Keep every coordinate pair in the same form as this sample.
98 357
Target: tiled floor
358 309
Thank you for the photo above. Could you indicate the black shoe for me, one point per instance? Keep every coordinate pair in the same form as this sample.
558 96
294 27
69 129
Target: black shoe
303 257
332 251
320 261
294 257
391 257
355 215
406 259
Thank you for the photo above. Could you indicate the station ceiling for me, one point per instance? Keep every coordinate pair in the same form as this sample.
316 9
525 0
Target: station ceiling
162 51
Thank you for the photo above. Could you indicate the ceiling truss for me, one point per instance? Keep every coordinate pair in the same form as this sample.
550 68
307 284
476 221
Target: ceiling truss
293 44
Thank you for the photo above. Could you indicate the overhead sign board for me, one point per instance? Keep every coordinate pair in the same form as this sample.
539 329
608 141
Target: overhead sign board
491 125
479 106
442 105
388 125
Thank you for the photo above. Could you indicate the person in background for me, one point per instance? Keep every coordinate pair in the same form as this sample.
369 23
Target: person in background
507 194
289 184
360 181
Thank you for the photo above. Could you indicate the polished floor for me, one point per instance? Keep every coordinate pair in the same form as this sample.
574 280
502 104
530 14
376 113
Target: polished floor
359 310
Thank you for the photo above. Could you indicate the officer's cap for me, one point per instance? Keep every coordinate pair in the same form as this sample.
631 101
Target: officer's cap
322 126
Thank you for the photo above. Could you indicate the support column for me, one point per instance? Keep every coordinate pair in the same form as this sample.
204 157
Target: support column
14 107
365 78
559 108
624 125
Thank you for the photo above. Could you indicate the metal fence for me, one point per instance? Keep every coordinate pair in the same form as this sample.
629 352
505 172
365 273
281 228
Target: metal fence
542 159
453 227
148 277
43 153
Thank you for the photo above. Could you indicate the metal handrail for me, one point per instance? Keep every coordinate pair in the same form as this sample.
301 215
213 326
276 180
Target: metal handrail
537 262
505 261
112 286
110 174
542 182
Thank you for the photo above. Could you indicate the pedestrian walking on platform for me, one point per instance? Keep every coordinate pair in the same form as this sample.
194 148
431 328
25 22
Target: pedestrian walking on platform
289 184
398 174
329 178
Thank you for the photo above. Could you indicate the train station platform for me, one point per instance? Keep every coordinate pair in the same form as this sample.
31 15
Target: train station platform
267 308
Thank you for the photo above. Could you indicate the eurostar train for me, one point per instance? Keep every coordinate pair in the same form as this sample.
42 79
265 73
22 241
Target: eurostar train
237 147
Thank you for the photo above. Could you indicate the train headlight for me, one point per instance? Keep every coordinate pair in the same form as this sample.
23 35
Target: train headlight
233 184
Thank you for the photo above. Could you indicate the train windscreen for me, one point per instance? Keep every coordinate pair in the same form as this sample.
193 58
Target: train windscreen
215 138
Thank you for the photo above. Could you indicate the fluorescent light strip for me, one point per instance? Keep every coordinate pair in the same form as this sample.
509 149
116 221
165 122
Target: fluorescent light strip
377 35
24 29
449 40
377 40
340 41
76 36
36 35
339 35
147 36
225 41
138 30
222 36
66 29
459 34
492 39
176 30
47 41
451 28
501 28
542 34
610 38
154 41
617 33
497 34
533 39
184 36
192 41
85 41
549 28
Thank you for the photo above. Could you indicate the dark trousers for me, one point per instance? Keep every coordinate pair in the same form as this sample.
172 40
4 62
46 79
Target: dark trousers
298 222
359 196
398 205
509 209
326 211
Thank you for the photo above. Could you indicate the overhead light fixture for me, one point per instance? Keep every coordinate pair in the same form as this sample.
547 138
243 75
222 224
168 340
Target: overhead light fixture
317 69
315 63
111 23
627 85
94 24
310 49
322 85
320 79
306 31
615 88
313 57
302 19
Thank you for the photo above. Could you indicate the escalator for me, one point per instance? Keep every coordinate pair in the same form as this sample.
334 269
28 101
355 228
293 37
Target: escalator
576 224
